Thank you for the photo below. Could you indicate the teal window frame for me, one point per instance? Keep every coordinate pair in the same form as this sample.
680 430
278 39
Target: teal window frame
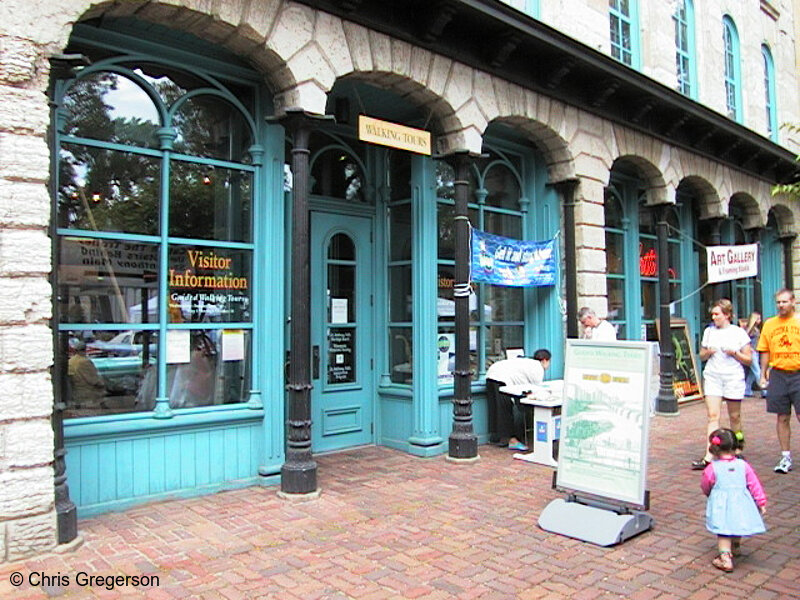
216 82
529 7
685 49
733 69
770 99
624 18
627 191
479 211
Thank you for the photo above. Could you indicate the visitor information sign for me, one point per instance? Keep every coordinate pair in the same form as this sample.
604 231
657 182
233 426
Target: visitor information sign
605 420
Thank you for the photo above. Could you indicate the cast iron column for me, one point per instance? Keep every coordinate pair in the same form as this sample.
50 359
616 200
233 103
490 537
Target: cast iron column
299 472
463 443
566 190
666 403
61 66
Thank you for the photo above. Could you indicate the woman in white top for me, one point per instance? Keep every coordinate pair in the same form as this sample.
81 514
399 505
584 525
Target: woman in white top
725 348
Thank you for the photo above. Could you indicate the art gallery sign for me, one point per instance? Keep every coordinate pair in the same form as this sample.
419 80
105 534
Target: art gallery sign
732 262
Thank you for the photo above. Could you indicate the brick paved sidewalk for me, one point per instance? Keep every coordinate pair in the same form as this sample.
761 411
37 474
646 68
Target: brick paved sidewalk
389 525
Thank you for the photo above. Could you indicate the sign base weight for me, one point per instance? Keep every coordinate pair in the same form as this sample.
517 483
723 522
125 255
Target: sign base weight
592 524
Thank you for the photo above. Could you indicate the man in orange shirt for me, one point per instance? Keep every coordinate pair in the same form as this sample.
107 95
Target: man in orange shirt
779 346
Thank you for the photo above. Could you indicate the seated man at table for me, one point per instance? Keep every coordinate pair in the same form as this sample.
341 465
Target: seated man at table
512 371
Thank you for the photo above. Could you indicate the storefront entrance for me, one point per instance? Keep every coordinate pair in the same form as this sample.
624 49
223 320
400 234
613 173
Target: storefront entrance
342 357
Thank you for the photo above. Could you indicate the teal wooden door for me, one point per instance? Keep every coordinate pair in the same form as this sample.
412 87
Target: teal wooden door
341 331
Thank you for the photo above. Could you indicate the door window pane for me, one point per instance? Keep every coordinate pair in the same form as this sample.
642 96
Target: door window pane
341 247
341 294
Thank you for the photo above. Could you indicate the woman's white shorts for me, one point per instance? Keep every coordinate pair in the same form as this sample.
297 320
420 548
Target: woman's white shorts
731 388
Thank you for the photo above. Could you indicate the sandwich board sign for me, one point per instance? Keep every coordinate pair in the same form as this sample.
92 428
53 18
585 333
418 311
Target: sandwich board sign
602 460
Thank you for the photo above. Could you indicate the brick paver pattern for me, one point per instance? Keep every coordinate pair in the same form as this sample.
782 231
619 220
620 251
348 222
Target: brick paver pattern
389 525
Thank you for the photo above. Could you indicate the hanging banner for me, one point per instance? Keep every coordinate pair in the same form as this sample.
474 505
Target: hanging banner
732 262
506 261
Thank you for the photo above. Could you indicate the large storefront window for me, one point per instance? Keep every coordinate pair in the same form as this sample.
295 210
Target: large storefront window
632 260
401 293
154 209
496 313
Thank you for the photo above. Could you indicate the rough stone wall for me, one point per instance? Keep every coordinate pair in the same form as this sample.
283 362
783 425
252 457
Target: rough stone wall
27 517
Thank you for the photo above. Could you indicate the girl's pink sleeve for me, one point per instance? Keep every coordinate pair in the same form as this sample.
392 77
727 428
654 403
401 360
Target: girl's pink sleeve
754 485
708 480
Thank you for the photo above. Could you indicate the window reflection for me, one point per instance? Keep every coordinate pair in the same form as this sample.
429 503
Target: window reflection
211 127
108 190
210 203
111 107
503 188
336 174
210 369
107 281
107 371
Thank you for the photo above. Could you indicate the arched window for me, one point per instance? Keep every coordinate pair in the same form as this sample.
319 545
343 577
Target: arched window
156 178
770 109
733 84
337 172
685 59
624 31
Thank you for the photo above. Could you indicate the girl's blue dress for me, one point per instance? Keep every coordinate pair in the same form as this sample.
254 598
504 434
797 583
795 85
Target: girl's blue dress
731 510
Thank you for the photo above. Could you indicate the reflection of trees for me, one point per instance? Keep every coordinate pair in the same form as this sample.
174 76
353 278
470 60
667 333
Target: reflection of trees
119 190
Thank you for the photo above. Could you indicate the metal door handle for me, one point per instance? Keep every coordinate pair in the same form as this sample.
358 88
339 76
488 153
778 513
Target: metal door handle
315 362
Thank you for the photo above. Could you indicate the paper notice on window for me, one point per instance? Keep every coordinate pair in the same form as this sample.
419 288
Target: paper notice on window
338 310
232 344
179 347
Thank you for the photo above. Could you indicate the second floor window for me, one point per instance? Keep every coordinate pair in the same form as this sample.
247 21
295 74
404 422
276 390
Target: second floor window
684 48
733 91
769 93
623 31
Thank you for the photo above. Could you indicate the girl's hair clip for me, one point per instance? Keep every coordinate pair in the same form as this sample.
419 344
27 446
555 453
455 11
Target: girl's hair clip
715 440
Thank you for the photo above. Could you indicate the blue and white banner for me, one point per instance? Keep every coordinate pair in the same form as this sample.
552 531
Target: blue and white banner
506 261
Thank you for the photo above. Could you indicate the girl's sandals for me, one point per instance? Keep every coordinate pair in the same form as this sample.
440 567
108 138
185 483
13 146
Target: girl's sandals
724 562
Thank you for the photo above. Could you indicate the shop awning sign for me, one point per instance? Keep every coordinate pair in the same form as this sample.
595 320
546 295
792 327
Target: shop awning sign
505 261
732 262
393 135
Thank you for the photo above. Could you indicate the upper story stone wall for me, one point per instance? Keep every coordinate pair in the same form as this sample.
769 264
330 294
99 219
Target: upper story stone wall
768 22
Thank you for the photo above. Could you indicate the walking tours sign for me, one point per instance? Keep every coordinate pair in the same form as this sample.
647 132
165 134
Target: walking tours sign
732 262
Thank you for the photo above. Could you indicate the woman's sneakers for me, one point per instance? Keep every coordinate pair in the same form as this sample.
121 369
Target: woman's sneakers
785 465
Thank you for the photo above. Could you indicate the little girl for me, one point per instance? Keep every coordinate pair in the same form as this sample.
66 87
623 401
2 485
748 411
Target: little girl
736 500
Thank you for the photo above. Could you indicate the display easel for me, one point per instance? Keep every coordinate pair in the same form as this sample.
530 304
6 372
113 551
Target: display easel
602 459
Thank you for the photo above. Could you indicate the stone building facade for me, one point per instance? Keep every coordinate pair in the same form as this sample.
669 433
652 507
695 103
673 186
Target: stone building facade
299 52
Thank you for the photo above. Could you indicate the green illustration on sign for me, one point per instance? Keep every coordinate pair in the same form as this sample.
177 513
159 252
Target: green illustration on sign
603 449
